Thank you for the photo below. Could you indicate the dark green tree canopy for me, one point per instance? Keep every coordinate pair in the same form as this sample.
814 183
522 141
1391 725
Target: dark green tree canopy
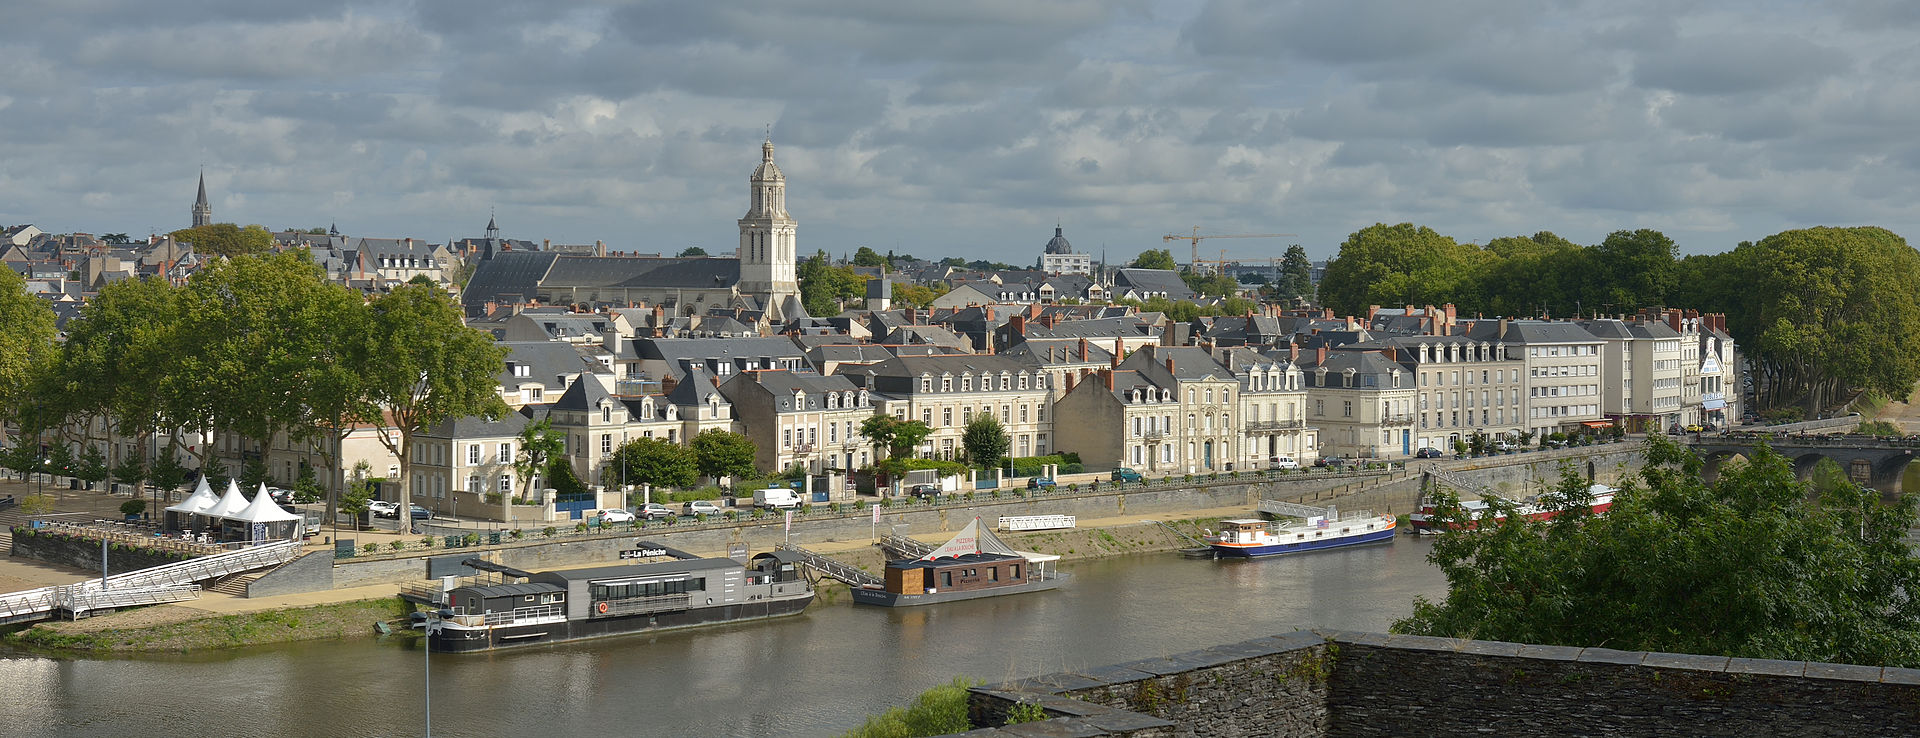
654 461
1757 564
692 251
985 441
719 453
867 257
822 285
226 239
1154 259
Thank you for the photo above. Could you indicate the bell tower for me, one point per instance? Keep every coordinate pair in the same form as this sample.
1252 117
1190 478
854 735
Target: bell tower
767 249
202 212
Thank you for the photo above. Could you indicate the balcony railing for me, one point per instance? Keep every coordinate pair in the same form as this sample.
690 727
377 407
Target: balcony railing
1396 419
1259 426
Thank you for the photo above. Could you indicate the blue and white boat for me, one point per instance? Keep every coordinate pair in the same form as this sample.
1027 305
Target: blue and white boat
1300 529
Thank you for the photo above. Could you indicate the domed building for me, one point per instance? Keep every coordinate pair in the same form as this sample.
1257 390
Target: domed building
1059 258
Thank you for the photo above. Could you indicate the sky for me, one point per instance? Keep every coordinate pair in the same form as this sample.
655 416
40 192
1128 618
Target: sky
966 128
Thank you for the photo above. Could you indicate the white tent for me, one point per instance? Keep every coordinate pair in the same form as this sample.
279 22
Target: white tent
184 515
262 519
230 503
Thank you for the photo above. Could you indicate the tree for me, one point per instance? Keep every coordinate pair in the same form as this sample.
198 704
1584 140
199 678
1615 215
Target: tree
919 296
692 251
306 486
27 345
1212 285
119 359
538 443
654 461
1634 269
1401 264
867 257
226 239
1154 259
425 367
254 472
823 286
167 474
1296 275
131 471
985 440
91 466
561 478
1752 565
896 437
359 490
719 453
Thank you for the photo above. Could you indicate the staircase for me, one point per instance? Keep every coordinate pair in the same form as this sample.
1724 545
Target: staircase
852 575
234 585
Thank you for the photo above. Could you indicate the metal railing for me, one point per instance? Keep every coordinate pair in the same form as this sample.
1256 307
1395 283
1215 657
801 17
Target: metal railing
829 567
905 545
1260 426
472 620
78 599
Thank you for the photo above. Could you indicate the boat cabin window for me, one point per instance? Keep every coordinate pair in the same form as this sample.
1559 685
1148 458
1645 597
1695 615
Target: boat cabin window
946 579
1016 571
629 590
993 574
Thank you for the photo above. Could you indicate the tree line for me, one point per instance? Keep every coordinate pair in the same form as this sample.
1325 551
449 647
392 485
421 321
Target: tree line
254 346
1818 312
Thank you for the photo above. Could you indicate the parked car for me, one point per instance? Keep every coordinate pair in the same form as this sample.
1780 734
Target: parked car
778 498
280 496
616 515
1695 428
924 490
1124 474
1504 445
1427 453
1041 483
419 513
703 507
384 509
1282 462
654 511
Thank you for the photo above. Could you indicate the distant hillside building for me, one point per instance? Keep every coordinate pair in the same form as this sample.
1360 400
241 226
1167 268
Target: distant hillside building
202 210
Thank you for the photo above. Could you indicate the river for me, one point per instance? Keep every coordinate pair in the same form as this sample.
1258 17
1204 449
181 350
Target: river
819 673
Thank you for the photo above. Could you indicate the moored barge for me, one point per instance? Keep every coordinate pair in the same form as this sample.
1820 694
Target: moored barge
572 604
975 564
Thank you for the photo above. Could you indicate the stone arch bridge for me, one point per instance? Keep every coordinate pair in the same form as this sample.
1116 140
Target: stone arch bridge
1868 460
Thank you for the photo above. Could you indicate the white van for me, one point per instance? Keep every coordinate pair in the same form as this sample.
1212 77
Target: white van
775 497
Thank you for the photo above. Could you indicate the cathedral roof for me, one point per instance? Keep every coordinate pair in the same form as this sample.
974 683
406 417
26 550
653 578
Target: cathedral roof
1059 243
767 169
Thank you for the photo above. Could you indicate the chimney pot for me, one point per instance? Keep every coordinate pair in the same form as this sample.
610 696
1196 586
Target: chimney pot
1085 352
1320 354
1109 376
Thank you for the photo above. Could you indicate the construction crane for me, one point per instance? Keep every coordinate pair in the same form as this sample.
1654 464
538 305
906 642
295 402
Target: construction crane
1196 238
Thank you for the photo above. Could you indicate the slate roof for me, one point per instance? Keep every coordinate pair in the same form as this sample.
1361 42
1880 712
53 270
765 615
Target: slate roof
508 277
642 272
1529 331
680 353
582 395
1046 352
475 426
546 360
1152 280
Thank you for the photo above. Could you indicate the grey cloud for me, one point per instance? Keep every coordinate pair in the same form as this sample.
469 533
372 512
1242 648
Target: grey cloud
1727 64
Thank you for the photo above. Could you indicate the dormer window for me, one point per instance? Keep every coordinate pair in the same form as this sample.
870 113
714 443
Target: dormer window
926 384
1006 381
946 383
966 383
606 413
1023 382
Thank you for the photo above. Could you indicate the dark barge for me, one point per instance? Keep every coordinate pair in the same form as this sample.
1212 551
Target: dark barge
572 604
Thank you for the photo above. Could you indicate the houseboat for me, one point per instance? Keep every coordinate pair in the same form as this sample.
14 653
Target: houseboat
975 564
1251 538
1600 500
571 604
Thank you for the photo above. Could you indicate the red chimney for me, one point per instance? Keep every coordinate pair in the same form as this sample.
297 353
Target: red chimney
1372 310
1070 378
1393 354
1085 352
1109 376
1673 320
1018 325
1169 365
1293 352
1450 317
1119 348
1320 354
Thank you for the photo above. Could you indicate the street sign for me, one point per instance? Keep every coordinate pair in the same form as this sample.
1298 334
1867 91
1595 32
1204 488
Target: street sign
642 553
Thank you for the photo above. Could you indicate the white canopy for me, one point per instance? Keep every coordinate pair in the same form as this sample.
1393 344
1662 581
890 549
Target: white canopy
198 502
230 503
972 539
262 510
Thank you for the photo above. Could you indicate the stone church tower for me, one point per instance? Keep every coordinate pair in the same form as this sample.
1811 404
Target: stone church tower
767 250
202 212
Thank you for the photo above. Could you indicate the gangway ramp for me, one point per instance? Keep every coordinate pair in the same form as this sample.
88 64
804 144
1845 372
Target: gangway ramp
840 570
1278 508
904 547
153 585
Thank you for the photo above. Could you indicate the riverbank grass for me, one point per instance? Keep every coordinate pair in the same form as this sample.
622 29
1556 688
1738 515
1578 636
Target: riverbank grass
938 711
125 632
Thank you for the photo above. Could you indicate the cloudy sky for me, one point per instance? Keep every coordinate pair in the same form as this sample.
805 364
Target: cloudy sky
966 128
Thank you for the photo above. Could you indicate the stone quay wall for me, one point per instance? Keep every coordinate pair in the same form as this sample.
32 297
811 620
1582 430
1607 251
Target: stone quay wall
84 553
1342 684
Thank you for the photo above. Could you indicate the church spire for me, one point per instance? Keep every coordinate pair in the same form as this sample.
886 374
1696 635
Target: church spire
202 211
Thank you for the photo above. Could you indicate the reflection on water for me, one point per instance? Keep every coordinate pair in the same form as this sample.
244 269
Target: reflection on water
819 673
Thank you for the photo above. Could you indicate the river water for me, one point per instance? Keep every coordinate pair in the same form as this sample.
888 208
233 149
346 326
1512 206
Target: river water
819 673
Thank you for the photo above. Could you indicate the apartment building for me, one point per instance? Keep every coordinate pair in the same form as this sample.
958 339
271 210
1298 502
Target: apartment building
1562 379
945 392
801 418
1465 386
1363 402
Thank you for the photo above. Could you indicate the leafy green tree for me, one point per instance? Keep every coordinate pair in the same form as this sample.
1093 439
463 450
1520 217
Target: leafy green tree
27 345
1154 259
167 474
985 441
306 486
226 239
919 295
254 472
1401 264
425 367
22 458
1820 311
823 285
1752 565
867 257
359 490
692 251
1634 269
654 461
719 453
1212 285
131 471
898 438
538 443
91 466
119 359
59 461
1296 275
562 479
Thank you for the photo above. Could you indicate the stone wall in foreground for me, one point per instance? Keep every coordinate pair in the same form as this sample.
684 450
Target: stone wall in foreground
1339 684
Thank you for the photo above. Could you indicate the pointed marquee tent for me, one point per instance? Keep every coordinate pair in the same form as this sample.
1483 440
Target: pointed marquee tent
262 520
191 514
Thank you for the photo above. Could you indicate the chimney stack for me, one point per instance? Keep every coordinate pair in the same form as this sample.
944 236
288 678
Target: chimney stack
1018 325
1350 325
1372 310
1673 320
1320 354
1393 354
1293 352
1169 365
1070 377
1085 352
1451 321
1119 349
1502 335
1109 375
